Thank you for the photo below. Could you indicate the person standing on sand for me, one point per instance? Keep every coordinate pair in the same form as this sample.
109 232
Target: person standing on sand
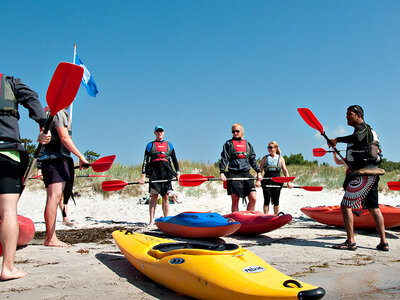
238 154
157 166
13 163
272 164
58 173
360 190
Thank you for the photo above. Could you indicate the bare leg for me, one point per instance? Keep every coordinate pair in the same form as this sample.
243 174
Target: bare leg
266 209
380 225
348 220
54 195
64 211
152 208
165 205
276 209
235 202
252 201
9 231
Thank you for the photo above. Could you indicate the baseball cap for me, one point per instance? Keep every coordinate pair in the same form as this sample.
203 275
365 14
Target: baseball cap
158 127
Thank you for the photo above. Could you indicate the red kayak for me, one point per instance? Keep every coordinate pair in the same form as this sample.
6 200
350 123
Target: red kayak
332 215
26 231
255 222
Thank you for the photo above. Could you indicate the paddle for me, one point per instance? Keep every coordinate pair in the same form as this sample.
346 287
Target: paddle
116 185
318 152
306 187
101 165
198 179
394 185
313 122
79 176
61 92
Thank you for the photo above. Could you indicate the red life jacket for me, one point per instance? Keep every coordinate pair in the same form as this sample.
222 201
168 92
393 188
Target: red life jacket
160 151
240 149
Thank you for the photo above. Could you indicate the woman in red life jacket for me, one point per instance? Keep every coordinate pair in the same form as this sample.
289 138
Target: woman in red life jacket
272 164
157 166
239 156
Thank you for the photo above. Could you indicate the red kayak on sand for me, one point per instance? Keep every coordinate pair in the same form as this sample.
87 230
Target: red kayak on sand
255 222
332 215
26 231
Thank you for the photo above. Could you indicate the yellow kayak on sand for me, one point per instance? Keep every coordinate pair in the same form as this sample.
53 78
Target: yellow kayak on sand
207 271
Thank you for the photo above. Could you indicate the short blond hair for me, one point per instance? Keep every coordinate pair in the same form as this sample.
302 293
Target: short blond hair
241 128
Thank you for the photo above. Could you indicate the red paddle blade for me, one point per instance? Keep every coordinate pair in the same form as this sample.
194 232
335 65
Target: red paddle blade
103 164
113 185
192 179
225 184
282 179
63 86
312 188
394 185
318 152
310 119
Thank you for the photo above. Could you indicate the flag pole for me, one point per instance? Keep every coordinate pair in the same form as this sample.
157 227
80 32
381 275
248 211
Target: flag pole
72 104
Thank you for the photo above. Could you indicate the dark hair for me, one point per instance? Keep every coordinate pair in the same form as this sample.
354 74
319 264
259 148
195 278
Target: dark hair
357 109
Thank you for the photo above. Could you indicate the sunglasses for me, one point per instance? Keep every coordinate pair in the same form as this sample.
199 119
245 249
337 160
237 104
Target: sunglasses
270 147
235 131
159 130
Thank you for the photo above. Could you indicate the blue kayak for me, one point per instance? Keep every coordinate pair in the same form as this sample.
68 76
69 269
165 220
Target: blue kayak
197 225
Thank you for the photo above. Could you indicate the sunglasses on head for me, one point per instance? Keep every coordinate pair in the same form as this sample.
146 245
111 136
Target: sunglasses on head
235 131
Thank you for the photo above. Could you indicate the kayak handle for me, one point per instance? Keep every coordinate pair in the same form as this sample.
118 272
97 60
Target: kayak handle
295 282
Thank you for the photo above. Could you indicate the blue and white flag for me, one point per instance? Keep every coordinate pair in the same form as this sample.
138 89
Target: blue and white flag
87 79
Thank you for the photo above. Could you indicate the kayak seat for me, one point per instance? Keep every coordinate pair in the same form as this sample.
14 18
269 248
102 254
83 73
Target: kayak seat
166 247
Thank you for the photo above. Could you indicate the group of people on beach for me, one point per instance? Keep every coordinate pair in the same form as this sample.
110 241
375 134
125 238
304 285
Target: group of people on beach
238 157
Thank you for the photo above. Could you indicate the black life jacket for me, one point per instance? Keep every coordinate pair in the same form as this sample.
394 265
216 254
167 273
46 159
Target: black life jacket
240 149
8 102
160 151
366 153
55 149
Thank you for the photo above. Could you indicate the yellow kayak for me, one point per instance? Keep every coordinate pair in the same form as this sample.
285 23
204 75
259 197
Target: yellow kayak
207 271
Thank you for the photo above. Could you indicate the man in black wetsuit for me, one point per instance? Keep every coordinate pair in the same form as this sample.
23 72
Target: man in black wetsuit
157 166
361 191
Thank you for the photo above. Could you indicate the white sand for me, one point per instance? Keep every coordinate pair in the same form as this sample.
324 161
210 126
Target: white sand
300 249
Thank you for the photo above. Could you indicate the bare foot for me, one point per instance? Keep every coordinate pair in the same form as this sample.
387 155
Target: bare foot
56 243
151 225
12 274
67 222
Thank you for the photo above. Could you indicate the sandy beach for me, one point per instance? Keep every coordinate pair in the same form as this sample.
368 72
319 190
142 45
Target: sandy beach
93 266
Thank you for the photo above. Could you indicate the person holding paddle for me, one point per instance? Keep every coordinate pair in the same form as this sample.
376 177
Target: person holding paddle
58 173
239 156
272 164
362 176
157 166
13 163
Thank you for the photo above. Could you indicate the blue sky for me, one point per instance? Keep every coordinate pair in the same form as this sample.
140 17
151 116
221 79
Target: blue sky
196 67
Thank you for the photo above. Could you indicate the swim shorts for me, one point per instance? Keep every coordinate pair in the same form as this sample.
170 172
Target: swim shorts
10 176
55 171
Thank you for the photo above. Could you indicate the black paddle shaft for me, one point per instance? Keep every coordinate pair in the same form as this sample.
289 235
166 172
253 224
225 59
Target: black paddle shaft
334 148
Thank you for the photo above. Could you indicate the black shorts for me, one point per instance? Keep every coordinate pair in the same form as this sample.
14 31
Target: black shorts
371 200
242 188
10 176
55 171
271 194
